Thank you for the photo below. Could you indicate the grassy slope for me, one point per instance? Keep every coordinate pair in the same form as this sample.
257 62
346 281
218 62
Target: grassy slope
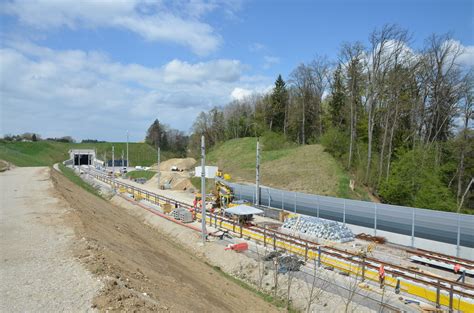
46 153
69 173
299 168
141 174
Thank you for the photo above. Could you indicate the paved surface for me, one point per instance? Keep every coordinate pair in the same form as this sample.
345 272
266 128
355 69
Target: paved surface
38 272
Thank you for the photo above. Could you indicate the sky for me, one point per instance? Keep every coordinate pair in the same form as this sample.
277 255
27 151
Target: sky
97 69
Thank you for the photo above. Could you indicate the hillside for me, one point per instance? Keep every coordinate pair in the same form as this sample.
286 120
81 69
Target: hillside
46 153
298 168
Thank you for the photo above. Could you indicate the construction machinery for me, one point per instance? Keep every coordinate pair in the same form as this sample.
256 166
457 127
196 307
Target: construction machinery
221 195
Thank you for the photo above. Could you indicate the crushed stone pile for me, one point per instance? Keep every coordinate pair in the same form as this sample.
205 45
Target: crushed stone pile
319 228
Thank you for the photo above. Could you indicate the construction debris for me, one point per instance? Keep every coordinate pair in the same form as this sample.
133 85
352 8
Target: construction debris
289 263
238 247
319 228
272 255
367 237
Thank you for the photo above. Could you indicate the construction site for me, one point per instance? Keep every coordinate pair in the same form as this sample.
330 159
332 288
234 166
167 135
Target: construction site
237 156
309 262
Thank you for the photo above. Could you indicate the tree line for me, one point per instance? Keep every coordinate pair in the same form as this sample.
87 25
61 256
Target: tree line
167 138
399 119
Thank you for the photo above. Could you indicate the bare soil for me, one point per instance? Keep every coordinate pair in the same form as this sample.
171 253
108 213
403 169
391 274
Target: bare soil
37 269
145 270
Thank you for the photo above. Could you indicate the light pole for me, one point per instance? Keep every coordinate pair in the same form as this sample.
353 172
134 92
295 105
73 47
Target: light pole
257 175
203 189
158 167
113 162
128 163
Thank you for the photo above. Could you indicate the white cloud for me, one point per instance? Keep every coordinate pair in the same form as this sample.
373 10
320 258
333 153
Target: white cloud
152 21
86 94
269 61
466 58
219 70
256 46
240 93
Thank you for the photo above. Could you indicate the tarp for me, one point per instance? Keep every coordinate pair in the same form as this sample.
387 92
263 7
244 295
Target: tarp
243 210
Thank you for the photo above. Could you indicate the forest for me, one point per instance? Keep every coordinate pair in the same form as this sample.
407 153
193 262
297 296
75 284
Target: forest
398 119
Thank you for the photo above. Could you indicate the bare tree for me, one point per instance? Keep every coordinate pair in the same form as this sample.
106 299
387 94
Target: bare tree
467 112
301 79
351 59
315 292
387 45
444 87
319 81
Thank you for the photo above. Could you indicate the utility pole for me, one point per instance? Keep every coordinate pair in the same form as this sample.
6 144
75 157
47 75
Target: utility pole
158 168
257 175
122 159
128 163
203 189
113 162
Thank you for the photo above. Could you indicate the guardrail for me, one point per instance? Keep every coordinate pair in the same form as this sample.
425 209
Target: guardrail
439 290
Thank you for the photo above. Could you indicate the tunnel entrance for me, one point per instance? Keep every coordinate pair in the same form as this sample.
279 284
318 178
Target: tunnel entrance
79 157
82 159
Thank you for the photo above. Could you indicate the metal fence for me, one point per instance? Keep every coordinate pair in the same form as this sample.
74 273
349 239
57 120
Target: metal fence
452 228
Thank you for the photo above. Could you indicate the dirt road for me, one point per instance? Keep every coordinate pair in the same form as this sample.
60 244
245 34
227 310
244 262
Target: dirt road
145 269
38 271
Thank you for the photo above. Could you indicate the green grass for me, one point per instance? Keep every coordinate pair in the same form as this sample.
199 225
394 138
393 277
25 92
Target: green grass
71 175
141 174
279 303
196 181
46 153
292 167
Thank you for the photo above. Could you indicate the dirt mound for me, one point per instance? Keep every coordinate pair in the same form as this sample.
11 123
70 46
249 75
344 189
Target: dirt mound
182 163
147 271
177 180
5 166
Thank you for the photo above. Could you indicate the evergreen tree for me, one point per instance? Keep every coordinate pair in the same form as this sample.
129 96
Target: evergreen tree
338 100
154 134
279 105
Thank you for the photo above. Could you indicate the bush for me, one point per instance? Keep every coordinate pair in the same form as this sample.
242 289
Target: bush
335 142
274 141
415 180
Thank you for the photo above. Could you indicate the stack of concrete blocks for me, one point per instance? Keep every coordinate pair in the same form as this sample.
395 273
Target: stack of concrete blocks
182 214
185 216
309 226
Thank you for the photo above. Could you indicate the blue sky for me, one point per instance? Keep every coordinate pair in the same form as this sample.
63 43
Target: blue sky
93 69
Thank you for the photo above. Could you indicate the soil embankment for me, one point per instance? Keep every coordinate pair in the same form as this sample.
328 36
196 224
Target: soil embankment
145 269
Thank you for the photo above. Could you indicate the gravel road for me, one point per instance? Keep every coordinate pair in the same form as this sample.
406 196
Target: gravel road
38 272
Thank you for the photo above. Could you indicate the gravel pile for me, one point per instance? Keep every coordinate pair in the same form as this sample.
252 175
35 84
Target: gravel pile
320 228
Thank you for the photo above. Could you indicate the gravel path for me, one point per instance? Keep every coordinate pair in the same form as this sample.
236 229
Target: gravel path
38 272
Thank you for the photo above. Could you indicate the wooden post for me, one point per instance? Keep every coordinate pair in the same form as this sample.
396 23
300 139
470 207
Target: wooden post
265 235
274 241
363 269
437 294
319 256
306 252
451 299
